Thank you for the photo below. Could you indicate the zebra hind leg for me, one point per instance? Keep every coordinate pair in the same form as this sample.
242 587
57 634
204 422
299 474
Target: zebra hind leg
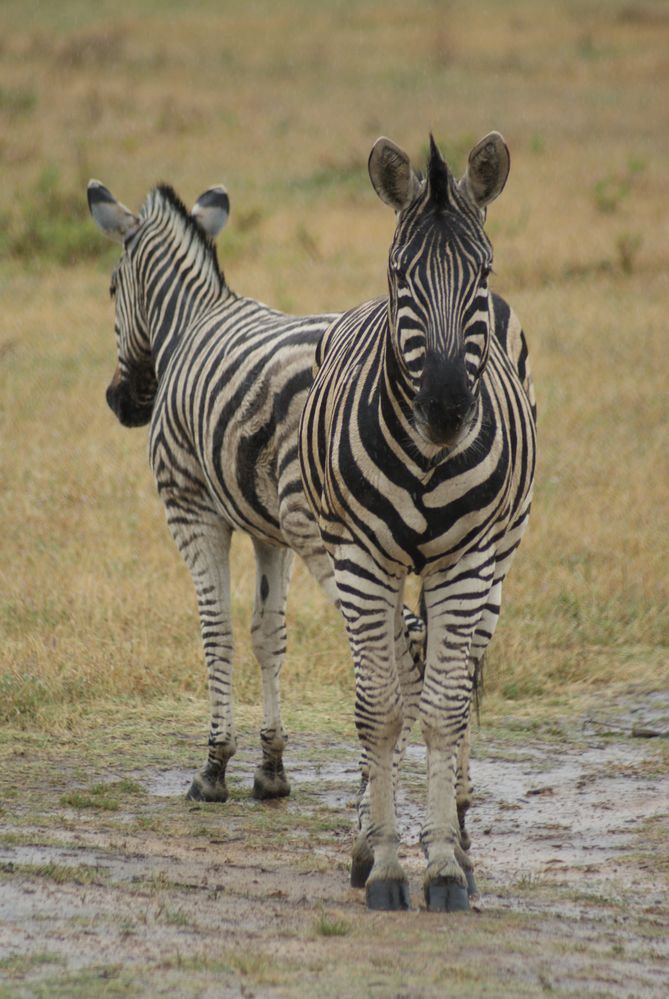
464 789
268 632
207 556
463 799
362 857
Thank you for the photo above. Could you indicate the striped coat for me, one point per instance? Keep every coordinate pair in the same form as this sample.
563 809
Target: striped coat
222 380
417 446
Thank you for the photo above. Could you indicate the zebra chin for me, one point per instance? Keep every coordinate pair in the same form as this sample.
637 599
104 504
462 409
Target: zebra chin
127 410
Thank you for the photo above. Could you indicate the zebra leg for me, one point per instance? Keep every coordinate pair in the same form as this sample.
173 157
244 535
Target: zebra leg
464 789
463 798
410 662
206 553
301 533
454 603
268 633
369 605
410 659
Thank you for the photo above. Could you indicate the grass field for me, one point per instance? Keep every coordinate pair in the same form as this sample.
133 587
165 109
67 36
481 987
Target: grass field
282 102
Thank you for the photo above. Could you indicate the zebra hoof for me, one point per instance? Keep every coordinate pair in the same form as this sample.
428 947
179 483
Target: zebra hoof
272 784
205 790
360 870
446 895
388 895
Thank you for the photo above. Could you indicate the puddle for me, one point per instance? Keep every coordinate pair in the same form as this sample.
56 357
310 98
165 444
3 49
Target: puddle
165 783
554 809
563 813
554 830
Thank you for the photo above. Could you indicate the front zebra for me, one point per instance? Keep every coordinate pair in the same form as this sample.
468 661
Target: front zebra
222 380
417 446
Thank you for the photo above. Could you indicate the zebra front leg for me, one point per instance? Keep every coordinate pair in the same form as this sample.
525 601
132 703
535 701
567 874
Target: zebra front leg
369 606
409 657
454 606
268 632
206 553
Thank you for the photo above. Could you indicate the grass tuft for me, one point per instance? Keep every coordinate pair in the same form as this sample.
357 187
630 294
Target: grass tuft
328 925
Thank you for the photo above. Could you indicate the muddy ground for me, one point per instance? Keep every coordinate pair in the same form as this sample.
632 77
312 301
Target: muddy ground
112 884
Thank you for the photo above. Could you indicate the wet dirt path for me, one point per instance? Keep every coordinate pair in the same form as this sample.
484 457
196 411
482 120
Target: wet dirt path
121 887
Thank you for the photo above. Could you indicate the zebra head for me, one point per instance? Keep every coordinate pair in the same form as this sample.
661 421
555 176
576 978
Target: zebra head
132 391
439 262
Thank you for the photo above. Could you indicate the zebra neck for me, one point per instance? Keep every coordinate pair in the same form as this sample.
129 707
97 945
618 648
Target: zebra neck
176 296
396 395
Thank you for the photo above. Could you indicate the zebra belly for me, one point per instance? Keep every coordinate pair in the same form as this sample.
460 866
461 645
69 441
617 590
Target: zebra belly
228 428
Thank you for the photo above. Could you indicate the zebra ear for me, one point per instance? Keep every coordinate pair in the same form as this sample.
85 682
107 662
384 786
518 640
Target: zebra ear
391 174
487 170
212 210
115 220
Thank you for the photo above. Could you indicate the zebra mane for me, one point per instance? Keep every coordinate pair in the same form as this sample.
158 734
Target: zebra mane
443 190
163 198
440 179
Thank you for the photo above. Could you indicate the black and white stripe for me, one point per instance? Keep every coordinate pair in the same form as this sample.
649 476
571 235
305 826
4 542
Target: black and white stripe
417 446
222 380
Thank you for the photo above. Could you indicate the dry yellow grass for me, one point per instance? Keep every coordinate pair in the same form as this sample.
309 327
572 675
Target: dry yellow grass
282 102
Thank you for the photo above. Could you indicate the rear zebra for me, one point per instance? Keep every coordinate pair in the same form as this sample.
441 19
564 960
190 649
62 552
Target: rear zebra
222 380
417 447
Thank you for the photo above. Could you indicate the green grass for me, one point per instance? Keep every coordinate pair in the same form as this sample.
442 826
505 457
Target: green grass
328 925
80 874
101 982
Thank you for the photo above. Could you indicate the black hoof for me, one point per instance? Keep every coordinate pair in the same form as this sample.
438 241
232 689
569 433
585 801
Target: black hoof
360 871
472 890
388 896
446 895
267 786
202 790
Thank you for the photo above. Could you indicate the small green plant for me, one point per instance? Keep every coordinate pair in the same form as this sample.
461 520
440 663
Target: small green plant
537 143
611 191
17 101
330 926
175 917
95 797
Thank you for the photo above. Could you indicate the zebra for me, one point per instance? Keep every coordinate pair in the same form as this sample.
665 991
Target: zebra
222 380
417 448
